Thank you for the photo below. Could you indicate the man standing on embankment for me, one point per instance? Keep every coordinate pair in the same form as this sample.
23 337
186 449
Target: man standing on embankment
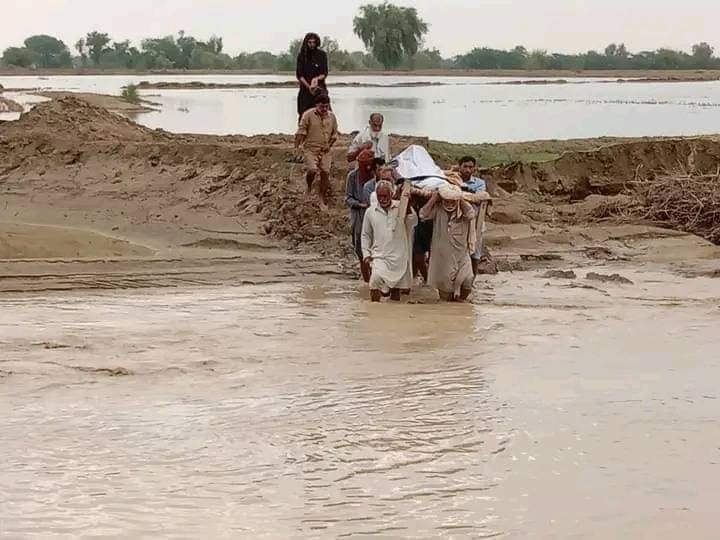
317 134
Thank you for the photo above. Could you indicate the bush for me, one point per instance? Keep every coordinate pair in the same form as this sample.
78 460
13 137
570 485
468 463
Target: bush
130 93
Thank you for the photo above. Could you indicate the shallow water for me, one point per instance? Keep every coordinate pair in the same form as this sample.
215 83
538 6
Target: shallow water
296 411
468 109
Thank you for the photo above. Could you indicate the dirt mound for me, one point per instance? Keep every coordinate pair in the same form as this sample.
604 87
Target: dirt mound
77 155
9 106
608 170
74 119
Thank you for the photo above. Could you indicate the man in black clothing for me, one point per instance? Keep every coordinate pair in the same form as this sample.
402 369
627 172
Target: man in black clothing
311 72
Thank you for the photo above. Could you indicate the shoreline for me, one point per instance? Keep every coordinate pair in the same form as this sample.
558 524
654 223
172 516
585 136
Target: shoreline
688 75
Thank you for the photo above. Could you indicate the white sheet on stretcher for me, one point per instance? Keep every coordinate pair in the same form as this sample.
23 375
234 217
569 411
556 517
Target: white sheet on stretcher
415 164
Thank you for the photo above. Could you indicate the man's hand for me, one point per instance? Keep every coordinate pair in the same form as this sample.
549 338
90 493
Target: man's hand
364 205
435 196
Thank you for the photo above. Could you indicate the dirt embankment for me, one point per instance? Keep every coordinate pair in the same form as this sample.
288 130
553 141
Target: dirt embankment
608 170
111 103
199 85
70 164
9 106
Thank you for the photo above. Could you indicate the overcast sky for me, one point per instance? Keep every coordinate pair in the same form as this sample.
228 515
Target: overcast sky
456 26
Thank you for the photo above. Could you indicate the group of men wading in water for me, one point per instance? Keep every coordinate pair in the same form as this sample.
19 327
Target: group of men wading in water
434 239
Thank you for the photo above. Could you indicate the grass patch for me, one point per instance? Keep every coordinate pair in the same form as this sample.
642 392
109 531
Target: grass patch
491 154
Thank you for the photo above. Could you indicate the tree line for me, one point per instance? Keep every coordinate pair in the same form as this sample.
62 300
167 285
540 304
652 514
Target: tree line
393 37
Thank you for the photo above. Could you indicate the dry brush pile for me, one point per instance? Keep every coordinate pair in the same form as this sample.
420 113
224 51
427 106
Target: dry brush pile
686 201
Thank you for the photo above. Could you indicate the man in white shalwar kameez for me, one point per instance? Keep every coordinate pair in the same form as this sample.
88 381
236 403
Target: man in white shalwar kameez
386 244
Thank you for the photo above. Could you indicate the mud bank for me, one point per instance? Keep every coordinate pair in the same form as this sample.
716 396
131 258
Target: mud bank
657 79
208 203
607 170
198 85
9 106
111 103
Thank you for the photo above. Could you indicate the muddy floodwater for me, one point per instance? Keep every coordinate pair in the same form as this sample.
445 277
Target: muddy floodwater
456 109
542 410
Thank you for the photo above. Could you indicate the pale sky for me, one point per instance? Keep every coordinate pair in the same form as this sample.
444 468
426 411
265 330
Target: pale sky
456 26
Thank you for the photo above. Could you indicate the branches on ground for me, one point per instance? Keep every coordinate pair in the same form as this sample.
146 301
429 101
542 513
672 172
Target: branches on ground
685 201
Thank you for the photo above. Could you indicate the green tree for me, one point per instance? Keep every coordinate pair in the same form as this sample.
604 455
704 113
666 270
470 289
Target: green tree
185 45
492 59
283 62
204 59
294 48
338 59
702 55
390 32
364 60
121 51
537 59
96 44
215 44
425 59
48 52
611 49
18 56
166 52
81 48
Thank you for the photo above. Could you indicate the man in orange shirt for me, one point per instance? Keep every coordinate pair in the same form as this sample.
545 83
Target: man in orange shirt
317 134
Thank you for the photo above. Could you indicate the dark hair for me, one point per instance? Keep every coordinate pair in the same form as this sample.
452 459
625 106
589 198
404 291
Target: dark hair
322 98
377 114
465 159
304 50
379 162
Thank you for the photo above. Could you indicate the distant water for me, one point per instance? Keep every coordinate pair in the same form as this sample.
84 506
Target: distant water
465 109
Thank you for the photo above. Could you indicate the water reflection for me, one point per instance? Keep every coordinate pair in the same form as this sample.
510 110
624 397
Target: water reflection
376 103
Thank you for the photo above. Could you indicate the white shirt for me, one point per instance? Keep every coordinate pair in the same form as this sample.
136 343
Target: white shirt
388 245
380 142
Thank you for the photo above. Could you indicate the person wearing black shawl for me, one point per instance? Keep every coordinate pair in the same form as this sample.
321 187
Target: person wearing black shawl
311 72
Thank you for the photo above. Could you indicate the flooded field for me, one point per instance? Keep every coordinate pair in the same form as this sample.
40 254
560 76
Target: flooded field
460 109
541 410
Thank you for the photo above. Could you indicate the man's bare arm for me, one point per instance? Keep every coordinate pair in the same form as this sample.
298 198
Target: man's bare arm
427 212
299 140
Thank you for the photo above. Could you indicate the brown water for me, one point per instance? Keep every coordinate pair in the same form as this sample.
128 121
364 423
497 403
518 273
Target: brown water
305 412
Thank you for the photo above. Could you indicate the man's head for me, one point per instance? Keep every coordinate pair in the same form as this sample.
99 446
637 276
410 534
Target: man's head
322 104
366 162
384 192
466 167
450 196
386 173
376 122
